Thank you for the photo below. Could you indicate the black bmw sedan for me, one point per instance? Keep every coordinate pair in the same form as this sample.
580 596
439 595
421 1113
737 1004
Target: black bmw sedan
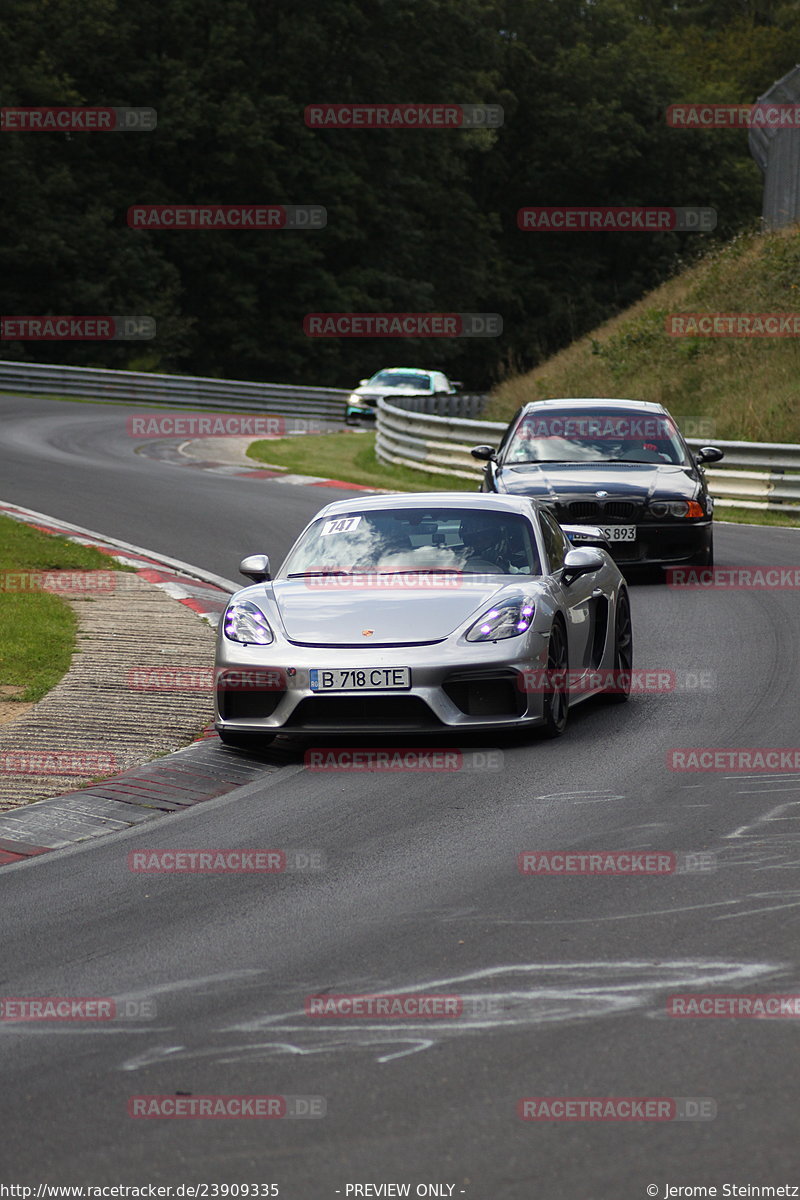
618 464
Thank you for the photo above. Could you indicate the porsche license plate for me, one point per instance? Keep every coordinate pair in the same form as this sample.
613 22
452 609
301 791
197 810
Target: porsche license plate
619 533
359 679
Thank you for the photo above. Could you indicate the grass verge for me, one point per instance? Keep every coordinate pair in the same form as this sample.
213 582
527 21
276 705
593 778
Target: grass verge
351 457
37 629
757 516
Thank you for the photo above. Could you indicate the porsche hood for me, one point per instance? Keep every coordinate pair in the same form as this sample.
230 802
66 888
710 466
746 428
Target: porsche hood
341 611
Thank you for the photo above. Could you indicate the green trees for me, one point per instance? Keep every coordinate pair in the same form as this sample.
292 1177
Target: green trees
417 221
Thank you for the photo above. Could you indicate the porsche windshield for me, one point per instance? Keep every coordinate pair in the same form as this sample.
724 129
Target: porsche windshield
586 435
463 541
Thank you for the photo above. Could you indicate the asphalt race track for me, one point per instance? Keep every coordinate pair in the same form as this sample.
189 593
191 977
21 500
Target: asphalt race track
564 980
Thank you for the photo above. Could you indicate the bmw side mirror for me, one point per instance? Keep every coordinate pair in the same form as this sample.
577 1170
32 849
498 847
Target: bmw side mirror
457 384
485 453
255 567
361 382
581 562
709 454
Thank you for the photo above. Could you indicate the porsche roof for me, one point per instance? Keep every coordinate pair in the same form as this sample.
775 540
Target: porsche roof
515 504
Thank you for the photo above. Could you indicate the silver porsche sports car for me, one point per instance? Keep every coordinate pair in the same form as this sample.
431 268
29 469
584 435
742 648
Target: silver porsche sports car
421 613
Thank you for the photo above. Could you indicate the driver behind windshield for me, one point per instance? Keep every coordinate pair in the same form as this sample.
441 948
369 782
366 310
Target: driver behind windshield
564 440
486 544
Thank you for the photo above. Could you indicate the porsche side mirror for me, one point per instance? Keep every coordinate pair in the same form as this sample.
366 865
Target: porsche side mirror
581 562
255 567
485 453
709 454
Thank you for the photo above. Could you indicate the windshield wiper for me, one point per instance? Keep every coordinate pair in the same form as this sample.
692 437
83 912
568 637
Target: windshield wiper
424 571
315 574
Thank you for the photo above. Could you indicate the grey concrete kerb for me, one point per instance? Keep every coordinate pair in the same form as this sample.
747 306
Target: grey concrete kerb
224 450
117 707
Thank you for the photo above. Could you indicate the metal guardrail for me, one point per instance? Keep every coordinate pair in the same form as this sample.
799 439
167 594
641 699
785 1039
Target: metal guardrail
463 404
440 445
235 395
173 390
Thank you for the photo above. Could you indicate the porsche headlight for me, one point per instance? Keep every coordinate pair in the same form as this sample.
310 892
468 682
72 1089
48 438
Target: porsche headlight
245 622
508 619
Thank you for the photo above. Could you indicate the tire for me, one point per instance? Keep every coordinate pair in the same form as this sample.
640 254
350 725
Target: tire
245 741
623 650
555 708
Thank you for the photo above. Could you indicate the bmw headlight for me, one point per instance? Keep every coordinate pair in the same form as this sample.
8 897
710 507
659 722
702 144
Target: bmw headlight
508 619
245 622
675 508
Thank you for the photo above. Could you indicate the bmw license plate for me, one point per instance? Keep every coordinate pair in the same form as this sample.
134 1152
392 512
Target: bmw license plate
359 679
619 533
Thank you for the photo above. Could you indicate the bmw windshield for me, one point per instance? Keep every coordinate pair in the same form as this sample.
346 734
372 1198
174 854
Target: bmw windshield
446 540
577 435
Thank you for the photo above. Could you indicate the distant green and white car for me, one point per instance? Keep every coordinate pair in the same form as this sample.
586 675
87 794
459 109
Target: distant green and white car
395 381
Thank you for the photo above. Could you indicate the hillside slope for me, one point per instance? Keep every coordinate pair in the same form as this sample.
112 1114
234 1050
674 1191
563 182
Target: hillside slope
729 388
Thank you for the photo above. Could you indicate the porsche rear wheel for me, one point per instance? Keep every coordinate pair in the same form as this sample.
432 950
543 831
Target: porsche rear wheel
623 652
555 707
